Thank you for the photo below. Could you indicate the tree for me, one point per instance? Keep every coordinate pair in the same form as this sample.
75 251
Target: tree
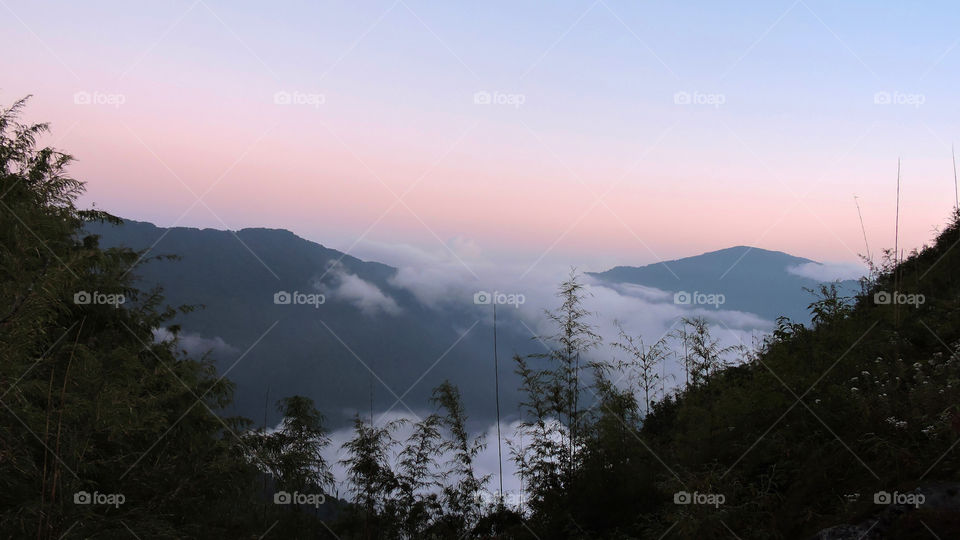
462 496
574 337
418 478
642 362
93 403
829 306
370 473
541 459
552 383
703 355
293 453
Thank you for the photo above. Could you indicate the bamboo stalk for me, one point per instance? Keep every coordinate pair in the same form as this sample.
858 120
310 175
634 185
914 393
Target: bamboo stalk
63 394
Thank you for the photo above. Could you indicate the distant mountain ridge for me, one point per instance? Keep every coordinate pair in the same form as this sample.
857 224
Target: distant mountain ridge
371 333
751 279
336 353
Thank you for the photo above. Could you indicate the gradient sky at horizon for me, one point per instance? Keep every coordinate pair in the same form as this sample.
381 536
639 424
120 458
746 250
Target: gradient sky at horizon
603 162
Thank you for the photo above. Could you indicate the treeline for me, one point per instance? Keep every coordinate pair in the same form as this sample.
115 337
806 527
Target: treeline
110 430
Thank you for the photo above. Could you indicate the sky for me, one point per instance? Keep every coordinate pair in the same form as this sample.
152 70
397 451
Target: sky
594 133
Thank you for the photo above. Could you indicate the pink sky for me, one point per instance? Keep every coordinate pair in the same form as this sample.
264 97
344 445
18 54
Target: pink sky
776 165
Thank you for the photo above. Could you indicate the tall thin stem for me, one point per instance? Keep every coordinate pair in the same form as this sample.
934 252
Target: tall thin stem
862 228
896 249
496 384
956 190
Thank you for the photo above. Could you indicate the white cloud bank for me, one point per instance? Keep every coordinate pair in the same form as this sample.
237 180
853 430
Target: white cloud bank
361 293
194 344
829 271
450 276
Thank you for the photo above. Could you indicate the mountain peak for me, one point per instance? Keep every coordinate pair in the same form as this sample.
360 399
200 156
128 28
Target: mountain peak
749 251
751 279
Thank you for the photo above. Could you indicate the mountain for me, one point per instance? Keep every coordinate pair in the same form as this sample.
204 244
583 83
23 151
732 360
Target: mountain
750 279
368 336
